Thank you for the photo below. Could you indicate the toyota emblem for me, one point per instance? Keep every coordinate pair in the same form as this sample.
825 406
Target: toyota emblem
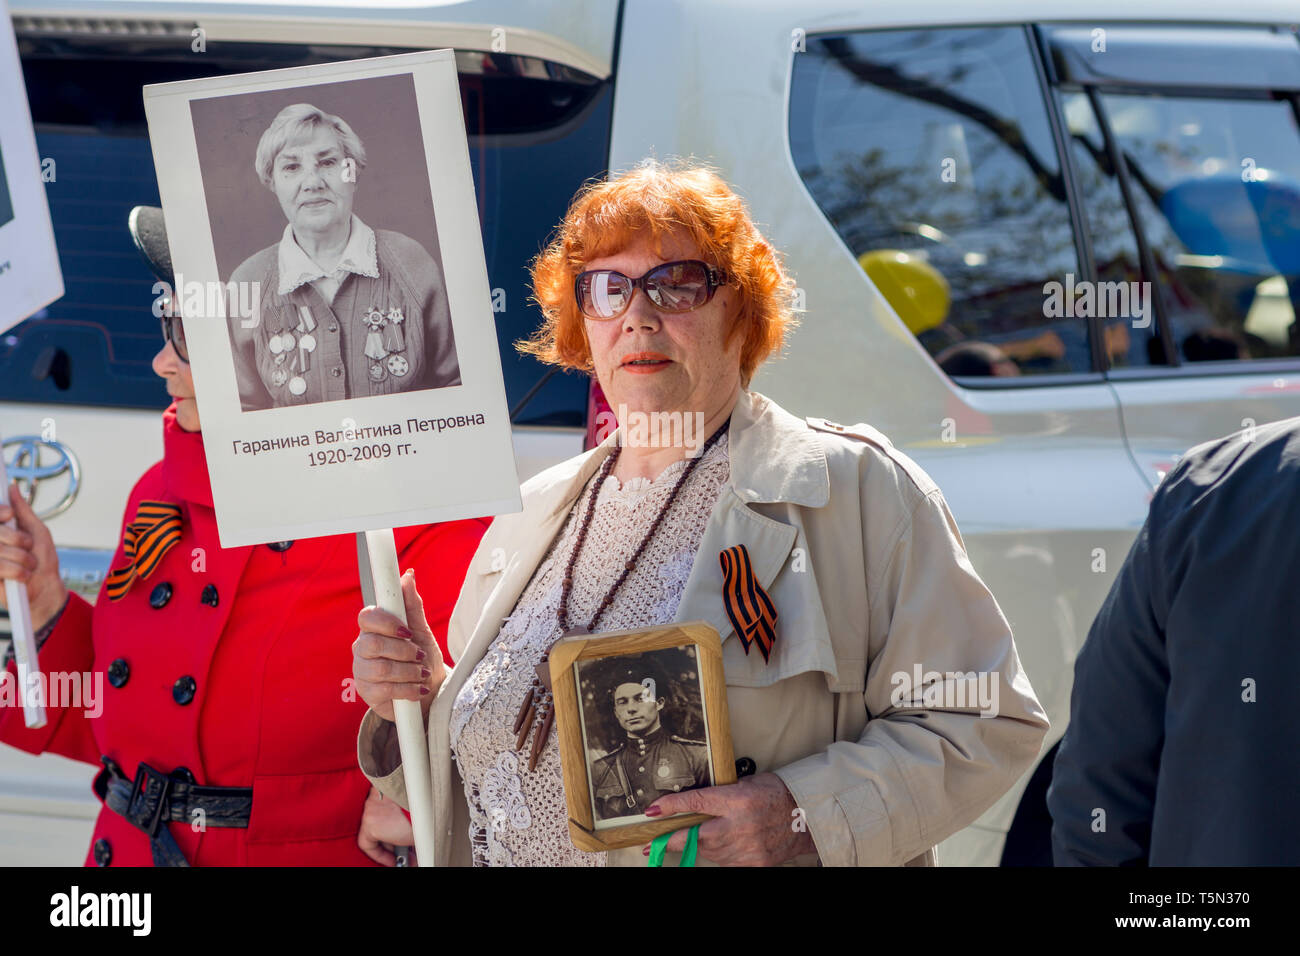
34 460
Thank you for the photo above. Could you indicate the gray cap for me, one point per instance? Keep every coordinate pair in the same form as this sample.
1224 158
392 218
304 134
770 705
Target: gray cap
150 235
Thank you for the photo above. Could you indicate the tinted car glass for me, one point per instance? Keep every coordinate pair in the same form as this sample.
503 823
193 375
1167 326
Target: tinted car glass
536 131
1217 189
931 153
1126 343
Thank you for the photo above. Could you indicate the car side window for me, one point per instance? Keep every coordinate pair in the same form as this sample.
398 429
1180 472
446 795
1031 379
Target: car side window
1129 341
932 155
1216 183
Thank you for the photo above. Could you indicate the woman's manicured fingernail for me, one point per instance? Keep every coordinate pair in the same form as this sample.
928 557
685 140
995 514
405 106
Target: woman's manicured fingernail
424 691
403 631
645 851
419 655
425 672
653 811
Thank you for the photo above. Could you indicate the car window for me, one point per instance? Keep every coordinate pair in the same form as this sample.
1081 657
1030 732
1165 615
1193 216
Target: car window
1128 341
537 131
931 153
1216 183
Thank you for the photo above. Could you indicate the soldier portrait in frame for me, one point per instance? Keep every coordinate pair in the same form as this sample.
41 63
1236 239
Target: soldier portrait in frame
640 714
643 716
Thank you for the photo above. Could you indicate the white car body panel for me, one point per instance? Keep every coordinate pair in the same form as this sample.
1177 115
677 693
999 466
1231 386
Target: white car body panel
577 33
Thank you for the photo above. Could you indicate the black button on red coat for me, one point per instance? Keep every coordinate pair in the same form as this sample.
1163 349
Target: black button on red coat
210 597
102 852
183 690
160 595
119 672
280 546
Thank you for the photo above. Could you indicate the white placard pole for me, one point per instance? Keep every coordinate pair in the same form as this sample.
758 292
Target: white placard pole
24 637
386 580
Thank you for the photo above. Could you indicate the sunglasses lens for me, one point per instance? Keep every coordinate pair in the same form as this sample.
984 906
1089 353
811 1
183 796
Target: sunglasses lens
174 332
178 339
604 294
678 286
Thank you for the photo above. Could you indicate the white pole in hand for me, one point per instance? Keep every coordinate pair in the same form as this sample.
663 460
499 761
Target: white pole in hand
24 636
386 579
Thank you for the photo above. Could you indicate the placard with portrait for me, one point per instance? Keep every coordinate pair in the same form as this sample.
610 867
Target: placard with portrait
330 276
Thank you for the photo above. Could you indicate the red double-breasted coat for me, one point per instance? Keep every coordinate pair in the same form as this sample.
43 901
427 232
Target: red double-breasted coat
236 664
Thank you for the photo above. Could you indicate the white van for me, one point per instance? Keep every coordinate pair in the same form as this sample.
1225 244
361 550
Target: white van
1045 247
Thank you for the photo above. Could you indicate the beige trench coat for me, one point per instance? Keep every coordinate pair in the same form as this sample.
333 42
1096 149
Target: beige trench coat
867 570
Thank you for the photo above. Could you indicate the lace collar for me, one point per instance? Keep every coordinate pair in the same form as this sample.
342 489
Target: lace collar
638 486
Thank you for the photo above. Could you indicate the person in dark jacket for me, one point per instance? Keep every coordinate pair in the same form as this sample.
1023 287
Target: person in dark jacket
1181 748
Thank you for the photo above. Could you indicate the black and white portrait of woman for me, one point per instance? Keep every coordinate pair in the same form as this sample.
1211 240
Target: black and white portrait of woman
328 268
345 308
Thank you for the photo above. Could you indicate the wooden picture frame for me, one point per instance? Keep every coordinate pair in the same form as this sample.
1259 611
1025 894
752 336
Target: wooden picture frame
576 669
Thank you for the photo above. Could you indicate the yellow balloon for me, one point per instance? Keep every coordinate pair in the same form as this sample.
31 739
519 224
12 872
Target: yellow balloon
917 290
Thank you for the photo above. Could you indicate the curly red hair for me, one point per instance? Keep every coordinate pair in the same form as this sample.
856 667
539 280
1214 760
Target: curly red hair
661 201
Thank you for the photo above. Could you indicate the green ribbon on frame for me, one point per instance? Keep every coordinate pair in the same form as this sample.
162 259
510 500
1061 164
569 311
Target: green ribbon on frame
659 846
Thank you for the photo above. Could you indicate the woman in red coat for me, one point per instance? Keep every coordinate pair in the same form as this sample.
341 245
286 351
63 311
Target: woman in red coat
228 723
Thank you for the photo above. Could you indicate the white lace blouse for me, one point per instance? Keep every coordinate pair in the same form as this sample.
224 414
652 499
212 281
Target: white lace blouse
518 818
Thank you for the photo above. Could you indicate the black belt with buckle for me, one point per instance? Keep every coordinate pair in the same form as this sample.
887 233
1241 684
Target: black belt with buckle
154 799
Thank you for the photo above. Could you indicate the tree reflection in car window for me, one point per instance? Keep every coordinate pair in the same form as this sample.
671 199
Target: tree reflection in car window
1115 253
1218 195
931 153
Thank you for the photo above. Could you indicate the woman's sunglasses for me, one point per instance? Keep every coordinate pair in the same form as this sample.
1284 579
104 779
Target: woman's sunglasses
672 287
173 331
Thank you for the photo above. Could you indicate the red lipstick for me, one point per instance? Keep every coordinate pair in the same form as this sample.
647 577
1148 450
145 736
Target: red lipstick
645 363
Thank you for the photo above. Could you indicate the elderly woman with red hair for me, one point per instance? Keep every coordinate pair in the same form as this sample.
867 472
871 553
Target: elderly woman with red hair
661 286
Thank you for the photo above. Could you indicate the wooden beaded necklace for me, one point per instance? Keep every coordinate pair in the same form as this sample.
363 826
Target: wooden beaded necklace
538 706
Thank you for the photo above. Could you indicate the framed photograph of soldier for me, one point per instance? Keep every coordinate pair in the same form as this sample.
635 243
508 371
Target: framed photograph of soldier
30 277
639 714
331 283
